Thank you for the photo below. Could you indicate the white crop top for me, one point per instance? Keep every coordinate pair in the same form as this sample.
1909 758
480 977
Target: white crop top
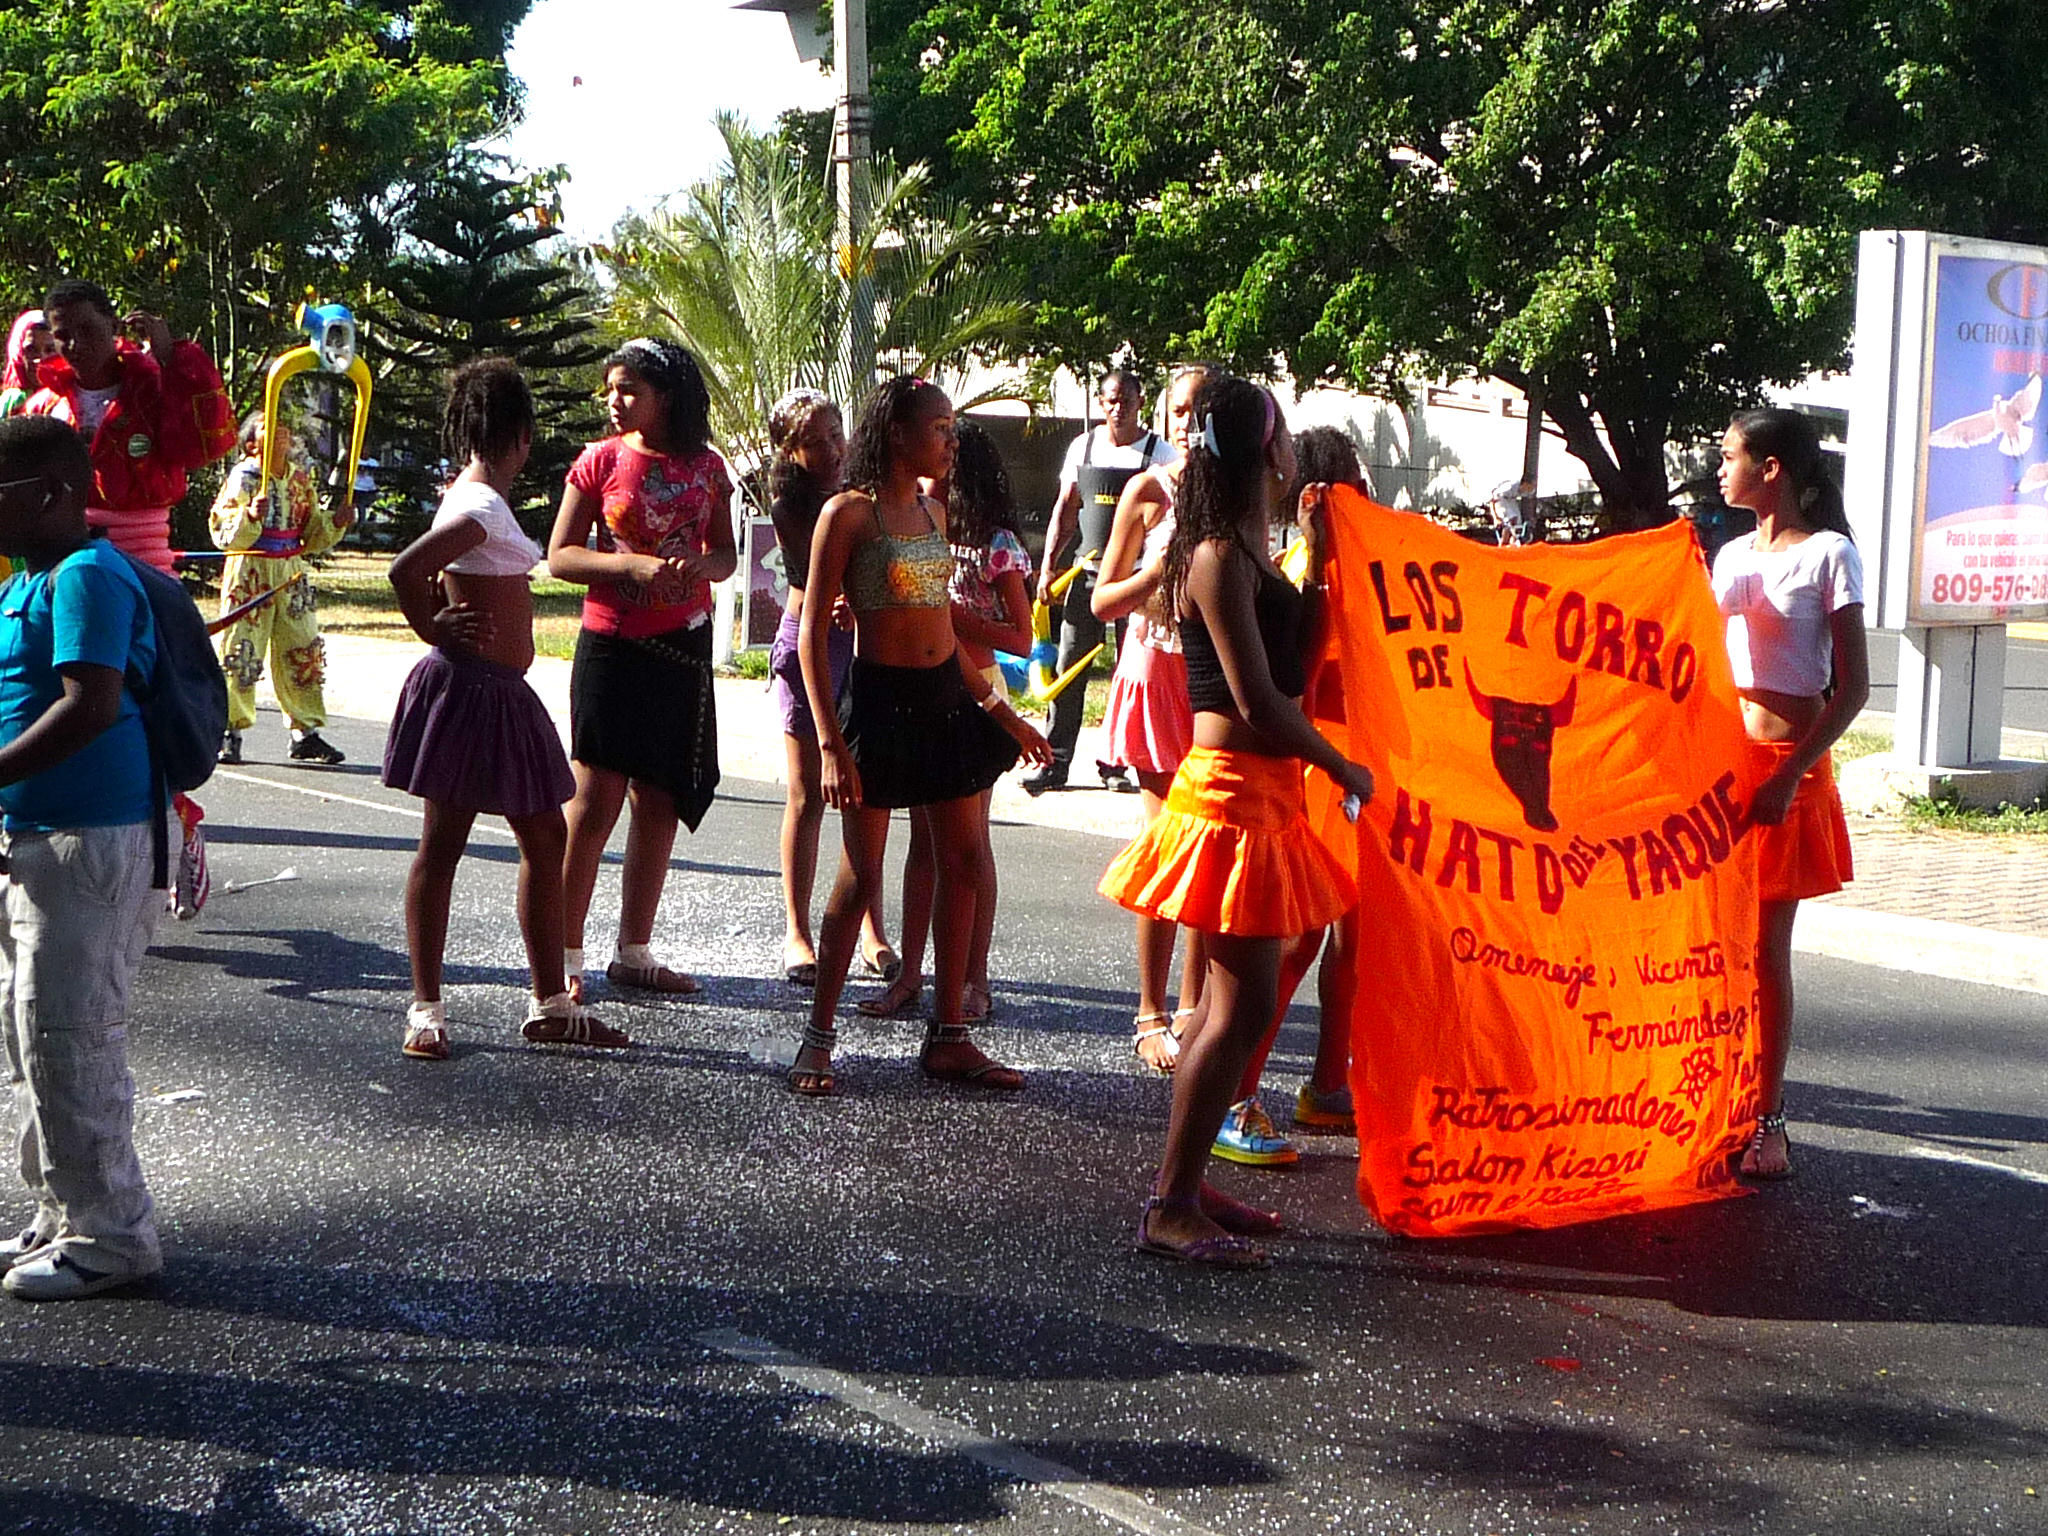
506 550
1779 604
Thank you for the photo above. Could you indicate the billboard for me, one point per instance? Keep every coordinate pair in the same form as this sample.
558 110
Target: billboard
1948 457
1981 529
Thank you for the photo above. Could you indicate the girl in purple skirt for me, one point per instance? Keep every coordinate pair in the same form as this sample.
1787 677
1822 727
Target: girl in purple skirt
469 734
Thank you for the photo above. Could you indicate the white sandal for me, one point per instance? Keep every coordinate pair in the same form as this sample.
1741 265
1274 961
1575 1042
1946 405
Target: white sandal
559 1021
426 1032
1157 1031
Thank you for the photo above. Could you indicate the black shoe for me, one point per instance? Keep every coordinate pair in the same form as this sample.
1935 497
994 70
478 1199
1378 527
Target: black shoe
309 748
1116 776
1054 777
230 748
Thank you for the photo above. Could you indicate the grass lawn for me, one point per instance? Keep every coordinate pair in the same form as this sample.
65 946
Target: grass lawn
356 599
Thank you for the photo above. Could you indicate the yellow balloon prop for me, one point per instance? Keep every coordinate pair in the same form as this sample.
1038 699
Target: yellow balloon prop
331 349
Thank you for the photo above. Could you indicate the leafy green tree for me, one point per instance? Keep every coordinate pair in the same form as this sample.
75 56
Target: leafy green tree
1641 210
739 268
214 158
466 271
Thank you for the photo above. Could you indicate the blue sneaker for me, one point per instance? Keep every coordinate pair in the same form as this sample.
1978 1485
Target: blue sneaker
1248 1137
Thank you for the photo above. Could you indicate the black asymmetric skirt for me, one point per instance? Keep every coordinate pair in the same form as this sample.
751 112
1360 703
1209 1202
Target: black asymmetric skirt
646 708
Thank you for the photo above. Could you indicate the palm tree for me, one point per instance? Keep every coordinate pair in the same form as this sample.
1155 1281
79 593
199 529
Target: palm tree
739 268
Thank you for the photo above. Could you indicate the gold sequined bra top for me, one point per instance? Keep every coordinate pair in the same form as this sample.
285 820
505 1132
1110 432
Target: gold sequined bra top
892 572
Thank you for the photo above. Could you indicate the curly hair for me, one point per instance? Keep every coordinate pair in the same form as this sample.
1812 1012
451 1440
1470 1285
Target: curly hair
894 402
788 417
489 410
1225 465
1324 456
978 499
671 372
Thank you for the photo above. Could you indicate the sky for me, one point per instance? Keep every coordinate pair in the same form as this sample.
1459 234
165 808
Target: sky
652 72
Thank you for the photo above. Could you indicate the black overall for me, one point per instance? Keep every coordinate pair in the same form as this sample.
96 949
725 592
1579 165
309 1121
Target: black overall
1100 488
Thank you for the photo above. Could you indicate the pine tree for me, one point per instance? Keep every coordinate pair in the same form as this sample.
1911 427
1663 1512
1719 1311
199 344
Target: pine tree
468 276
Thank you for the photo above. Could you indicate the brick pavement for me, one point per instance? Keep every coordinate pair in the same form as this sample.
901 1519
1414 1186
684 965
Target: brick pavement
2000 883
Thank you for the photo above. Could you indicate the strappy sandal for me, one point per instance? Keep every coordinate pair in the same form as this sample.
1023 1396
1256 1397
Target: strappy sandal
426 1032
984 1074
1226 1251
898 998
814 1082
652 978
1161 1031
571 1024
1179 1028
1768 1125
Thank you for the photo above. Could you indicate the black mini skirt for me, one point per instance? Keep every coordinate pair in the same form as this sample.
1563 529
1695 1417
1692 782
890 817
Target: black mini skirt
918 737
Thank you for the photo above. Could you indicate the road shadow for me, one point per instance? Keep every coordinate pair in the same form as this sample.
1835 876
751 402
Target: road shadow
1855 1237
601 1385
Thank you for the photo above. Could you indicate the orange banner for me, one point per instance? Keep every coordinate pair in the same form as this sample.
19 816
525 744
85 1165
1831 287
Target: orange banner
1555 1020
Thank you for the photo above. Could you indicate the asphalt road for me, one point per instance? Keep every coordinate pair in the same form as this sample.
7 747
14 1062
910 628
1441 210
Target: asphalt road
2026 681
532 1291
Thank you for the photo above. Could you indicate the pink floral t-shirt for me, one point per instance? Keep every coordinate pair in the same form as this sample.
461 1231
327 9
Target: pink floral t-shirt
651 504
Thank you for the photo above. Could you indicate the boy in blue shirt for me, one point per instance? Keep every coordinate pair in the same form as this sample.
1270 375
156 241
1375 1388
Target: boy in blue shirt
78 910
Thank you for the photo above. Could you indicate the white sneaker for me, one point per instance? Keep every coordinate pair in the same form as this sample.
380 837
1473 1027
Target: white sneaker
52 1275
25 1244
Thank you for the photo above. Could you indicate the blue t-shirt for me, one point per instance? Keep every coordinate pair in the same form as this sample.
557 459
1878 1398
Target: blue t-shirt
89 607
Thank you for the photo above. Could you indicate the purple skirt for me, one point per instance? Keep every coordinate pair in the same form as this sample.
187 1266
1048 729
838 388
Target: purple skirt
785 669
471 734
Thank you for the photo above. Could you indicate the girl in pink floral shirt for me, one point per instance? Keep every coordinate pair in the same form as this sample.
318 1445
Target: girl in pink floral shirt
658 499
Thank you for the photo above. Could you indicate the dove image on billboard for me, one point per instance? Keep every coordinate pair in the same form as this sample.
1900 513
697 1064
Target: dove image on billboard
1982 534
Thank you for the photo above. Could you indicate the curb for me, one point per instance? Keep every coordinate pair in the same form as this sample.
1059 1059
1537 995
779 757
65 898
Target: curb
1924 946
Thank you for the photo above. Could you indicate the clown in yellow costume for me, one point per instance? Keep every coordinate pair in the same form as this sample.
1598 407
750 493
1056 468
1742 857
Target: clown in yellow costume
270 526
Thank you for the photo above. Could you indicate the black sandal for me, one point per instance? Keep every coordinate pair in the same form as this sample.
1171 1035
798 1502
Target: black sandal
988 1074
814 1082
1768 1125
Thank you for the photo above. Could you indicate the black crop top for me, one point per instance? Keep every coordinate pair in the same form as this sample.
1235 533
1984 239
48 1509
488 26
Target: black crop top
1278 606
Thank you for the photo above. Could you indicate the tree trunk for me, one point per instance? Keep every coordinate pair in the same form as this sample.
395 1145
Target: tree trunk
1626 463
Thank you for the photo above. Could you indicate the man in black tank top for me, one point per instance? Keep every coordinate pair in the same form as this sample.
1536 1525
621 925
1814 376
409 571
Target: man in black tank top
1099 465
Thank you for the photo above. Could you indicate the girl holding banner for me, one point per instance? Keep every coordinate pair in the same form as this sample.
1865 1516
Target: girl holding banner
1793 598
1232 853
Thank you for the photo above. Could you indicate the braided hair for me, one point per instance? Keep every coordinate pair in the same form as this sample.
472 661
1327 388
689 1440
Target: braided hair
1227 460
1792 439
893 403
671 372
489 410
978 499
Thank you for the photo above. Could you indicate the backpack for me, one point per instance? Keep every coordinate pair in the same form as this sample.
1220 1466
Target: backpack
184 700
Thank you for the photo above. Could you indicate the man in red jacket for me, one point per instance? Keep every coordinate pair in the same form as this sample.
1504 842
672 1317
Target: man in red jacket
150 412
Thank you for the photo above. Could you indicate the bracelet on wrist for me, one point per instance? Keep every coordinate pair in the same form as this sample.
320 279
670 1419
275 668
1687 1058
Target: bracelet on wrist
992 701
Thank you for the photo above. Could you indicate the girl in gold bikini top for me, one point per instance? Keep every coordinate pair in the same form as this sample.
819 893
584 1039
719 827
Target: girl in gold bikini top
888 571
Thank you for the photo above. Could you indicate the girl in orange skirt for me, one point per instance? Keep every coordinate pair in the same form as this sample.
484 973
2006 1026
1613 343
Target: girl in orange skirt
1793 597
1231 854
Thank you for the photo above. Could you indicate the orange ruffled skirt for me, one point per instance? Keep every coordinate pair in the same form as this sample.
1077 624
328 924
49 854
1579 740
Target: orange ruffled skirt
1232 853
1806 854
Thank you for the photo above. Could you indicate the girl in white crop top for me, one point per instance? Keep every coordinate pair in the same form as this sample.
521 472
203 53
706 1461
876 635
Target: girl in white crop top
1793 597
506 549
469 735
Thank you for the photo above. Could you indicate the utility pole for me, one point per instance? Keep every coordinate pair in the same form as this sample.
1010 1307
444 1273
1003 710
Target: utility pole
852 134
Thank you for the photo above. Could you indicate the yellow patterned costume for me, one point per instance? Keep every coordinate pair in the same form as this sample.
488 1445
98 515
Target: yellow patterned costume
269 541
